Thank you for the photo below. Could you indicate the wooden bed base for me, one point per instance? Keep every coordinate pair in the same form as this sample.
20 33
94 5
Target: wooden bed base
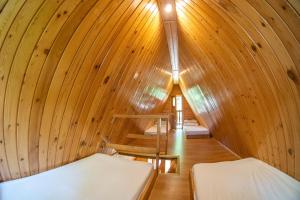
144 195
192 185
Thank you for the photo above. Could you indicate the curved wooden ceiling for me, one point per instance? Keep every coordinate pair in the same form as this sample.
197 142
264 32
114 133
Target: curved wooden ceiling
240 72
66 66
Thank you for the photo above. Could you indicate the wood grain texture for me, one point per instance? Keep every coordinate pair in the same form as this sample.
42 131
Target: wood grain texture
66 68
176 186
187 111
170 24
240 72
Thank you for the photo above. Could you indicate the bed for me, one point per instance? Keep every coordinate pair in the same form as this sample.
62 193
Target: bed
190 122
247 179
96 177
193 130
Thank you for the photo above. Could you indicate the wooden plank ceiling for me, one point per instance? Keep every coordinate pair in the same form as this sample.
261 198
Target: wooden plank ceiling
66 66
168 13
240 70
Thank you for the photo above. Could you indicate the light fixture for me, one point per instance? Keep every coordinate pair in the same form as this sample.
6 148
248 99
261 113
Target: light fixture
168 8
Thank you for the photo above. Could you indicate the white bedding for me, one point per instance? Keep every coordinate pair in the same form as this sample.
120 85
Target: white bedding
246 179
195 130
190 121
190 124
96 177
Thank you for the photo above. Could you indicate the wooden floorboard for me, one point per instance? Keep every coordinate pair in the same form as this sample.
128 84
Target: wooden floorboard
191 151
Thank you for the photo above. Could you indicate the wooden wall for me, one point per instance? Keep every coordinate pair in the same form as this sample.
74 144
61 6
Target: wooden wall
241 71
187 111
65 67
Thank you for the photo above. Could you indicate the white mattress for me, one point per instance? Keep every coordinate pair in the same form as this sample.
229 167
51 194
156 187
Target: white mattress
96 177
195 130
247 179
190 121
190 124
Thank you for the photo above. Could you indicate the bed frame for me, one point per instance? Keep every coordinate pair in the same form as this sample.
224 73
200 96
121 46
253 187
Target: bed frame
144 195
190 134
192 185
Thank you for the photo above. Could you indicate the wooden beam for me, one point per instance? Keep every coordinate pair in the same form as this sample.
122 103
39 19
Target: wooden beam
158 143
167 137
170 25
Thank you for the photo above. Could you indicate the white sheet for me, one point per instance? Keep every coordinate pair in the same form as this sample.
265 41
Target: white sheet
190 124
195 130
98 177
190 121
246 179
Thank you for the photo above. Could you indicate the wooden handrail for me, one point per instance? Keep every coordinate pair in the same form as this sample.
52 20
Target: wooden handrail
134 149
128 148
152 156
144 137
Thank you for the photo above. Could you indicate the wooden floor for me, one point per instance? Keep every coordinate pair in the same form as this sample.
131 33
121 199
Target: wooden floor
191 151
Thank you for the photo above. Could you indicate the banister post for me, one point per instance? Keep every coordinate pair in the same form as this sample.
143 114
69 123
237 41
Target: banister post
158 143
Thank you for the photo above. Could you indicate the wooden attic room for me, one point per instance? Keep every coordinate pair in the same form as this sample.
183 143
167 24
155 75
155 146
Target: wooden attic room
149 99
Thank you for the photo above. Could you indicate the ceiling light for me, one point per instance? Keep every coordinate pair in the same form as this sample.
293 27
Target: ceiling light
168 8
